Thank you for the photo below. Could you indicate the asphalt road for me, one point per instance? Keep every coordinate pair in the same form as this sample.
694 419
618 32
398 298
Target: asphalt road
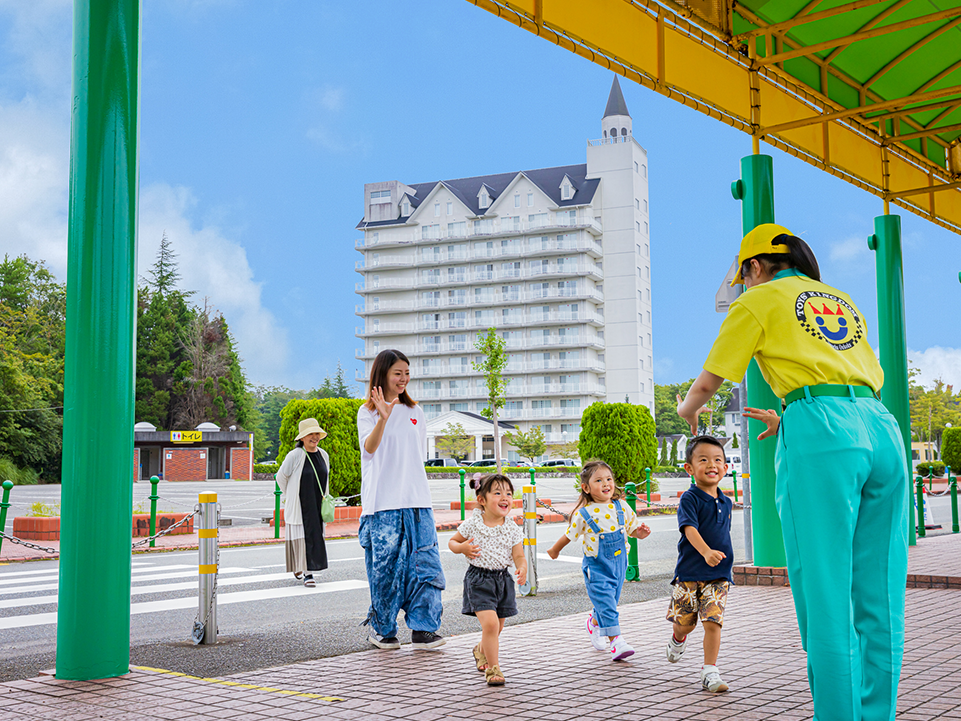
267 618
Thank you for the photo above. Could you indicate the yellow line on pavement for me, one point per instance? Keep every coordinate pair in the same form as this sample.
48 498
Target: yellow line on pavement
236 684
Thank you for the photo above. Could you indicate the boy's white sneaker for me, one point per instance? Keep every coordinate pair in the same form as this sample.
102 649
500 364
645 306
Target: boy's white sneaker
675 650
711 680
621 649
597 640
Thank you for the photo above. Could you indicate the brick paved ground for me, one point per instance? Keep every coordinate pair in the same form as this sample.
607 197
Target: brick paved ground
552 674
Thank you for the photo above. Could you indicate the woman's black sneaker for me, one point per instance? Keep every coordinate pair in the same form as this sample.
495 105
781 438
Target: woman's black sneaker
426 639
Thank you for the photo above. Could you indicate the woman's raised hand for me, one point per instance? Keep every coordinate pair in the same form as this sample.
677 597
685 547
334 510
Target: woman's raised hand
768 418
383 407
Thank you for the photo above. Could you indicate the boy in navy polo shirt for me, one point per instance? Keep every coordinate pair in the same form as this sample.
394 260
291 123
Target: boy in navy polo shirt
704 558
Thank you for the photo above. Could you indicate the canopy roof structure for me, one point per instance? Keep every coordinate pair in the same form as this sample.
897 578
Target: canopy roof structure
869 91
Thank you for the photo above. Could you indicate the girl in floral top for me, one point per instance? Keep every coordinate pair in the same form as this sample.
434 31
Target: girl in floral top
603 523
492 541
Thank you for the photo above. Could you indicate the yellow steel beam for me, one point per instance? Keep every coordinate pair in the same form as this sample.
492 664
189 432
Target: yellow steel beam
683 59
864 109
921 133
922 191
802 19
865 35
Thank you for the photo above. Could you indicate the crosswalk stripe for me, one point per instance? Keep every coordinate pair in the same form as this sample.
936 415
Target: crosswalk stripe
49 574
47 586
42 619
140 590
566 559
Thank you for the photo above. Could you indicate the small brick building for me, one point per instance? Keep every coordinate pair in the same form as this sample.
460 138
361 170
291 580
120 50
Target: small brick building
205 453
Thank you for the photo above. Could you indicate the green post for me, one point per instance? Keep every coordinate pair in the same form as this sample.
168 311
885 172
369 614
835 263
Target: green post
920 506
533 473
633 572
930 478
734 475
276 509
463 473
953 483
755 190
647 473
99 365
892 339
153 506
5 504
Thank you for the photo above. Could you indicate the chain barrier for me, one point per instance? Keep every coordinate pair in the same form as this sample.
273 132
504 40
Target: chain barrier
167 530
938 494
34 546
168 500
254 500
551 508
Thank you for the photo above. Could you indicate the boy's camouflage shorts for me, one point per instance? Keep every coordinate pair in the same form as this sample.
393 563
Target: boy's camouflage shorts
693 599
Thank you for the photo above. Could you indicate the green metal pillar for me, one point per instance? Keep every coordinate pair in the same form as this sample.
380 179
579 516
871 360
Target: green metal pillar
93 612
755 190
892 338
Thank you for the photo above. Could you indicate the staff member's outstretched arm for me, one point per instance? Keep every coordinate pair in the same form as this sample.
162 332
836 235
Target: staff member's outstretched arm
704 388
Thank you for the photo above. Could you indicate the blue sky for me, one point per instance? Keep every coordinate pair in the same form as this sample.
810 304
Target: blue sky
261 122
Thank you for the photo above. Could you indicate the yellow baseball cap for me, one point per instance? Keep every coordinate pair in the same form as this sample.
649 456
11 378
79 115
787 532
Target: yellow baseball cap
760 241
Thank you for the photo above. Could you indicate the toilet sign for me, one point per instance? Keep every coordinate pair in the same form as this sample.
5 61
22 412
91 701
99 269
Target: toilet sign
727 293
186 436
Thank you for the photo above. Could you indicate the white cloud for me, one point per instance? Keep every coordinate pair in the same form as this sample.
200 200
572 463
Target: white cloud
851 249
332 98
936 363
217 268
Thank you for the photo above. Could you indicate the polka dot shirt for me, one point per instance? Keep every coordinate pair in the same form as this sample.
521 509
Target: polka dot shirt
605 516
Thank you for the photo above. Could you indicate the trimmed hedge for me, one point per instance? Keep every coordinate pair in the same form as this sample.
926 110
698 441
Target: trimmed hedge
924 469
623 436
951 448
337 416
266 467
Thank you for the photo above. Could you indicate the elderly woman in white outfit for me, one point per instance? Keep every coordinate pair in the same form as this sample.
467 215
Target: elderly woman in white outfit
304 478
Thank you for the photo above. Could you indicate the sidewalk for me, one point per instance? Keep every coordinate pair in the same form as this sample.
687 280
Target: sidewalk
552 673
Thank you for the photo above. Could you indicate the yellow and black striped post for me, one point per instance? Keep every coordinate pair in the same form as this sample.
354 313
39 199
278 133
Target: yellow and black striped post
208 566
530 537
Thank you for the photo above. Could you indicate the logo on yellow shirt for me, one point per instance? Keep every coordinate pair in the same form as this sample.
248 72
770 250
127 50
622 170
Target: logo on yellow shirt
829 318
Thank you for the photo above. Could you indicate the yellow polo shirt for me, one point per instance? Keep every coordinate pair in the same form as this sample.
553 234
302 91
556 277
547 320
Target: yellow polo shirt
801 332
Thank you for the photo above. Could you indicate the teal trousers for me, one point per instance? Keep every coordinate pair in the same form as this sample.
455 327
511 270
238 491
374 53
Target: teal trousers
842 497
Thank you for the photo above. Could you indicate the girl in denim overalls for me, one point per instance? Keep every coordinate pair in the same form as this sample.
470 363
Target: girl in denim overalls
604 523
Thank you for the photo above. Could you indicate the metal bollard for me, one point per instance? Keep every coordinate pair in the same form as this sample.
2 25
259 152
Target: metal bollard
748 530
734 474
530 537
633 572
953 483
153 507
647 472
5 504
276 510
463 473
919 508
208 566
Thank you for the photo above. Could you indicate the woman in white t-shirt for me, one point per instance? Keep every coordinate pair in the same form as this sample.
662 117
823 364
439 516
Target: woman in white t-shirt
397 530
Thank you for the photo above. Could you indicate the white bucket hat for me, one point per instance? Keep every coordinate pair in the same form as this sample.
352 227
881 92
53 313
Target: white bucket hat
308 426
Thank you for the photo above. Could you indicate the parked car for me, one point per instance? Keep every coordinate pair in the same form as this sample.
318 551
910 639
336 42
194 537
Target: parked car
734 464
560 462
441 462
487 463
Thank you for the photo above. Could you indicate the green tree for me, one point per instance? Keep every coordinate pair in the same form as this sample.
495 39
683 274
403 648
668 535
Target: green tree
337 416
564 450
621 435
734 442
32 311
932 410
665 408
492 367
455 442
529 445
951 449
663 459
674 453
269 401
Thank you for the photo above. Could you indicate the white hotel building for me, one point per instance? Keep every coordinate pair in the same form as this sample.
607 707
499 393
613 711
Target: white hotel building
556 259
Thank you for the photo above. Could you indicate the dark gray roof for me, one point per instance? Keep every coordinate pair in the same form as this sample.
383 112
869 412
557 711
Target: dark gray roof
547 179
615 102
734 404
500 423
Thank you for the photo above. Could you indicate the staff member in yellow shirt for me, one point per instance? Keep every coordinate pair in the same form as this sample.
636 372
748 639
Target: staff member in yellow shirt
840 465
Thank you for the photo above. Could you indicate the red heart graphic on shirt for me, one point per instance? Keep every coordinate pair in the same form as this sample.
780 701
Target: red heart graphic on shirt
414 421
